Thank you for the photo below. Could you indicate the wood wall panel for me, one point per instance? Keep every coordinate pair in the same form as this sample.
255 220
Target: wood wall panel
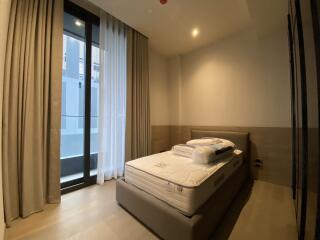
160 139
270 144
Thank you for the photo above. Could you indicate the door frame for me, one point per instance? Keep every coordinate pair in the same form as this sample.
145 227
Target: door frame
293 108
304 120
315 12
90 19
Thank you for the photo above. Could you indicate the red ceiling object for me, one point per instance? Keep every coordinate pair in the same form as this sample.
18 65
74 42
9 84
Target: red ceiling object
163 1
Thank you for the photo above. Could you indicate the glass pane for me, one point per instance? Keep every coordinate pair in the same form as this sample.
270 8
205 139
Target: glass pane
95 69
73 101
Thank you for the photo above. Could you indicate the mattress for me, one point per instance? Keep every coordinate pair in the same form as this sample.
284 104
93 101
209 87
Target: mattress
179 181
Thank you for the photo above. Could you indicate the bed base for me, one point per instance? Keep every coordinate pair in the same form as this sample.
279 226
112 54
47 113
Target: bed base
167 222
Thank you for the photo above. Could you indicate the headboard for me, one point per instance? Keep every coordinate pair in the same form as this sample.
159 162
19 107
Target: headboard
241 139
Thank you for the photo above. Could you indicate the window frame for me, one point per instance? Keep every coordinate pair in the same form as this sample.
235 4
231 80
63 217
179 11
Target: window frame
90 20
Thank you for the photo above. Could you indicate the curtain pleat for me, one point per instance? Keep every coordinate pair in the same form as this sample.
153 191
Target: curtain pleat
124 111
112 98
138 90
31 107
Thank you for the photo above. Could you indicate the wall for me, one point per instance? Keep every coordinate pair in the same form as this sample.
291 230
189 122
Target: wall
4 18
159 101
241 83
174 91
158 88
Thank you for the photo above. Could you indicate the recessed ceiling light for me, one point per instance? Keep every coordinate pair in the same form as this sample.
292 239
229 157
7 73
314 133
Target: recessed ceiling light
195 32
78 23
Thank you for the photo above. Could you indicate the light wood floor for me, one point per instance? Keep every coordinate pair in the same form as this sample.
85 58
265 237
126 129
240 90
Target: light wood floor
93 214
268 215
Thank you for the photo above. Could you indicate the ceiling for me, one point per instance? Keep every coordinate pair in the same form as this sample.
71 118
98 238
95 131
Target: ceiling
169 26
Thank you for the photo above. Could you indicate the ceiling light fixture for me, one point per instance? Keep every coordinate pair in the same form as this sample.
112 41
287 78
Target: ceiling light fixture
163 1
78 23
195 32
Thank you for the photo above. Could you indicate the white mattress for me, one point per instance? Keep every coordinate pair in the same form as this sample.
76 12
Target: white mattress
179 181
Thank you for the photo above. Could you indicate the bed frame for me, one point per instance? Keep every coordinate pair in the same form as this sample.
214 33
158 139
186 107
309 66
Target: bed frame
166 221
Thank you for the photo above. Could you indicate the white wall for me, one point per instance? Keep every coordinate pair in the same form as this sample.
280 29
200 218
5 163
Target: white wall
174 91
158 77
240 81
4 18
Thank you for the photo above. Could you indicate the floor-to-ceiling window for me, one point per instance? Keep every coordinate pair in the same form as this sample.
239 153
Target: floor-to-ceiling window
80 98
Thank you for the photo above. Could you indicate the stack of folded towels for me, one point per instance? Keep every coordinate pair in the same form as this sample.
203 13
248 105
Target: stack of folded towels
205 150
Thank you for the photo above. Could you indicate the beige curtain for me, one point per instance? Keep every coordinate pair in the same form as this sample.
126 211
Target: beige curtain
138 103
31 107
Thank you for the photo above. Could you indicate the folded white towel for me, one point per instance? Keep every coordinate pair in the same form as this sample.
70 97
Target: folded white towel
183 150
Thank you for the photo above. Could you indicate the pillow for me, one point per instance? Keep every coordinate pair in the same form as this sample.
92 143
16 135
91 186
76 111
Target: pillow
207 154
204 141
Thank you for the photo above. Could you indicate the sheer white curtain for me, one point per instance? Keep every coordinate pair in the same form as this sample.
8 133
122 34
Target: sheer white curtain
112 94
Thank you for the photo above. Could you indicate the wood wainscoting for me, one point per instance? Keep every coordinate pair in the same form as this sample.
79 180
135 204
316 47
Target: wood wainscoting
270 144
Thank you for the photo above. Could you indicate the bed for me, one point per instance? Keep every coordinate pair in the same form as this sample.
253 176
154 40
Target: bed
196 219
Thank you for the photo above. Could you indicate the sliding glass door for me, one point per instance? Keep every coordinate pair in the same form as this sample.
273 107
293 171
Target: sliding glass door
80 98
305 82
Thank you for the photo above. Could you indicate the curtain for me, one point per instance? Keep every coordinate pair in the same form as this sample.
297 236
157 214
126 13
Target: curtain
138 106
31 107
112 94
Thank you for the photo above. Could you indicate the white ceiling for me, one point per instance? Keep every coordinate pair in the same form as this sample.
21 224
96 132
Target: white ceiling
168 26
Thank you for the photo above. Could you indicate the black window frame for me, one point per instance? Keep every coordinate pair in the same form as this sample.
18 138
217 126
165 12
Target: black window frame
90 19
